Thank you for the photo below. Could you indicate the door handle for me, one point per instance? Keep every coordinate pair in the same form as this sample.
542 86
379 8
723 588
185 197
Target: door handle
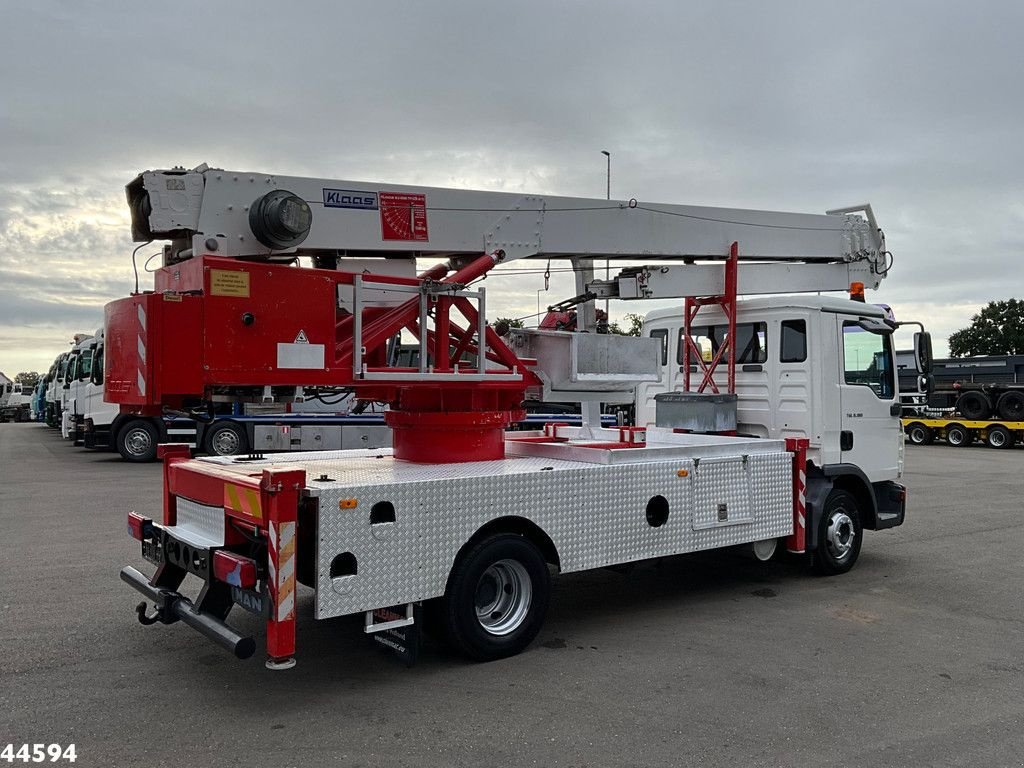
846 440
896 409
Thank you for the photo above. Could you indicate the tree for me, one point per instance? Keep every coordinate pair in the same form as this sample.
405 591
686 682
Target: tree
503 324
28 379
636 324
997 330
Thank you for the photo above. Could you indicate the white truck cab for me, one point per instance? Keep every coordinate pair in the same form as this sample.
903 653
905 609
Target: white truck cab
98 414
76 378
819 368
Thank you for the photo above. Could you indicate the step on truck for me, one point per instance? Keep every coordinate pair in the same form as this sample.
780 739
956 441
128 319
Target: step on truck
461 521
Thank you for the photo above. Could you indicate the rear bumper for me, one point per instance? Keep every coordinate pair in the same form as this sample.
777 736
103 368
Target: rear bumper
250 561
171 606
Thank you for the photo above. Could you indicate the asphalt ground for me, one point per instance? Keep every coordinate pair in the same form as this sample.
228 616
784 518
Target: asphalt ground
914 658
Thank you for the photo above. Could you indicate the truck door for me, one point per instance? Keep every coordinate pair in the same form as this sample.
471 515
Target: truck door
870 431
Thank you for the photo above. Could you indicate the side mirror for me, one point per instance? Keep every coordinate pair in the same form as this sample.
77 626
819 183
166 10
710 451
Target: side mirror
923 352
926 384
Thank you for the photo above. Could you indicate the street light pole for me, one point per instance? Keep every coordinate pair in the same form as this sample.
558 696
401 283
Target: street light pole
608 196
608 177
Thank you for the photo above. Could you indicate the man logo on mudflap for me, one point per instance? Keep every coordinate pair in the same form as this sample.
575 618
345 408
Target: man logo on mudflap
346 198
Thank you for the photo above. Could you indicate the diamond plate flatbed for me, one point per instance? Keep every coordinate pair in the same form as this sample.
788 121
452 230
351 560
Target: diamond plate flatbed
591 503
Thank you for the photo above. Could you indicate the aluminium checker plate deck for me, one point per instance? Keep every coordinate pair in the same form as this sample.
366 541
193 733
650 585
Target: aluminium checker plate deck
720 491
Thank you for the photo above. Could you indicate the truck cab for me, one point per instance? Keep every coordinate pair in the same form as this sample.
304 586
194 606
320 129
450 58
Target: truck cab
817 368
98 414
77 385
54 389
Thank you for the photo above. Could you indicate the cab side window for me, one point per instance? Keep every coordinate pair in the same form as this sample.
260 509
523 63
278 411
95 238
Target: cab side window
868 360
793 341
662 335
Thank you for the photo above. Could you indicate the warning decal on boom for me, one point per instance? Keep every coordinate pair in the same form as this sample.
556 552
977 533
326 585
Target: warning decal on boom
403 216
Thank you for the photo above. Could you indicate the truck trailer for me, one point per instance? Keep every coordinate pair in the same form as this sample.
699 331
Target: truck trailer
787 438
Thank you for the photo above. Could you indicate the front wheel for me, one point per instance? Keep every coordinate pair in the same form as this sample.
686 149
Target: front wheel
137 441
497 597
839 534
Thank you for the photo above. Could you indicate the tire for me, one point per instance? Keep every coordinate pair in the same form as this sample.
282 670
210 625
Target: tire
496 599
226 439
1010 406
959 436
974 406
919 434
137 441
839 534
998 436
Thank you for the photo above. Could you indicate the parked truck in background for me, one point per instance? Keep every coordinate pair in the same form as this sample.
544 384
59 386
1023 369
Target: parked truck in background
75 381
974 399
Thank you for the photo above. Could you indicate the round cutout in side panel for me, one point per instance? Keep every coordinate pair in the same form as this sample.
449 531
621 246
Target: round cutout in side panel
657 511
343 572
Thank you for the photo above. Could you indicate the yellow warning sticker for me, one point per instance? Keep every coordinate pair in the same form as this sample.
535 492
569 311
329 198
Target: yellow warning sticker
227 282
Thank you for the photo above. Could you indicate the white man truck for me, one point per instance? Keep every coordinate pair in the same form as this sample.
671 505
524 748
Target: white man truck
787 438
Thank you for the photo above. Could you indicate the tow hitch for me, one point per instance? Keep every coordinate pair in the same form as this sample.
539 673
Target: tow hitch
172 606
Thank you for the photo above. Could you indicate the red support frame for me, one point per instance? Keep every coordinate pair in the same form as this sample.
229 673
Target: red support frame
727 349
797 541
279 492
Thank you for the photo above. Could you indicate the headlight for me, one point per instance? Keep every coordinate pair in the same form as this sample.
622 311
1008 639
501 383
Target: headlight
280 219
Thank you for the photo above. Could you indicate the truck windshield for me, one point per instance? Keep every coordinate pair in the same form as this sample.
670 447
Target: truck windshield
85 364
868 360
97 366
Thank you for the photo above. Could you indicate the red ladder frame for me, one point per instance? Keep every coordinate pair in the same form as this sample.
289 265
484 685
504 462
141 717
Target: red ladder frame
727 301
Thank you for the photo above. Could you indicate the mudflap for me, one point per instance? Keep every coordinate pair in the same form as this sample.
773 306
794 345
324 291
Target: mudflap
397 630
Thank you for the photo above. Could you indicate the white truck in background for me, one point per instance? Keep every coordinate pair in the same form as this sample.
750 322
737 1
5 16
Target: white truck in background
15 400
76 380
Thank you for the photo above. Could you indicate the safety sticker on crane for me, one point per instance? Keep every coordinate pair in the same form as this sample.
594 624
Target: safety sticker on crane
403 216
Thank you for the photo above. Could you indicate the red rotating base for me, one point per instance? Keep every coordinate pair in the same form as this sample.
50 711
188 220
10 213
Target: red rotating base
444 437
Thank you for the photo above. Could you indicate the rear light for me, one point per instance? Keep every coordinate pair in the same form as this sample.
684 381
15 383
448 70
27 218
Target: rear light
139 527
234 569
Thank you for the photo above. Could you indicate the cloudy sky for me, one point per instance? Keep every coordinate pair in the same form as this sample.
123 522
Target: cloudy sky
915 107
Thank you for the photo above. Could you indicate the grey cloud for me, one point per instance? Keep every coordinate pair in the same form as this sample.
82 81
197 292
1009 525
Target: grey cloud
785 105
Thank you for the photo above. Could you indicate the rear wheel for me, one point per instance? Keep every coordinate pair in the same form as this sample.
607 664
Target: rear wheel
137 441
998 436
919 434
1010 406
974 406
839 534
959 436
497 597
226 439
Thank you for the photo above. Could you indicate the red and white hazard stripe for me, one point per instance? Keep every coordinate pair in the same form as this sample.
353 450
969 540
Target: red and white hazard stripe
797 541
142 350
281 566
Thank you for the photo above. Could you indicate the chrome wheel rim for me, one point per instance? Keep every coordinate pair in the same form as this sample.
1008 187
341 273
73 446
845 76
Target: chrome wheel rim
840 535
225 443
917 435
503 597
138 442
996 439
